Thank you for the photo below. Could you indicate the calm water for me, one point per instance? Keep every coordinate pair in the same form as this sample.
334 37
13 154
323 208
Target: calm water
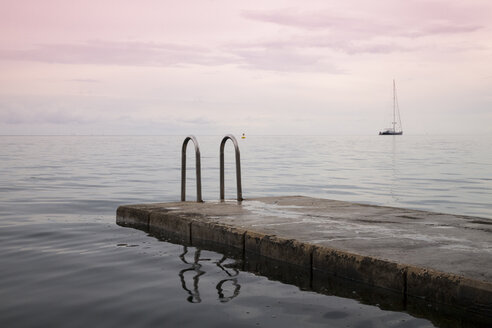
64 262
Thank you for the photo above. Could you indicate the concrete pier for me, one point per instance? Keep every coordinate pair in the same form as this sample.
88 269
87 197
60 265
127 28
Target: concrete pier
440 258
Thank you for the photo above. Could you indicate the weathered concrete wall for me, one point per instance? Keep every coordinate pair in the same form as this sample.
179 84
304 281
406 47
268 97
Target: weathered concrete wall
316 259
372 271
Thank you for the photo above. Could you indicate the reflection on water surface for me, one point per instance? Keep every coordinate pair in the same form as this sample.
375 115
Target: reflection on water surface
196 270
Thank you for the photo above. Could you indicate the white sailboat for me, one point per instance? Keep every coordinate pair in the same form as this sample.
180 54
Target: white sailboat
397 127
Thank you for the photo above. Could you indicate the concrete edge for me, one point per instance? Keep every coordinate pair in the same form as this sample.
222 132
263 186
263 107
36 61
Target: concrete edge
280 249
131 216
433 286
218 233
446 288
365 269
160 222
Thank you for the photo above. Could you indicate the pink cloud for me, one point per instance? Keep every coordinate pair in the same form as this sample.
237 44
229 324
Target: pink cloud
118 53
295 18
357 25
277 59
84 80
321 41
389 28
442 28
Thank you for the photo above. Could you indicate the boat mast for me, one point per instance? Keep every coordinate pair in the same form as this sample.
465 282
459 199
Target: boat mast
394 105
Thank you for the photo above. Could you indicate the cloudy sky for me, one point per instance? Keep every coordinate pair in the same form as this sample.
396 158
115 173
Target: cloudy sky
260 67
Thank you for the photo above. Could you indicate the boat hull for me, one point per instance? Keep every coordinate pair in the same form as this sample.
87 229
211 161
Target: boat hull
390 133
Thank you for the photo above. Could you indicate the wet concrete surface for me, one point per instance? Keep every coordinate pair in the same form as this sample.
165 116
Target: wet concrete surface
439 257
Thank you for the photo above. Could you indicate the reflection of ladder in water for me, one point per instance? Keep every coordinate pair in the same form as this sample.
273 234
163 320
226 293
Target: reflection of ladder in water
194 295
198 168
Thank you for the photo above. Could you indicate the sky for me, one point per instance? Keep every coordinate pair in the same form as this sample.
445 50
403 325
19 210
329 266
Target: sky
213 67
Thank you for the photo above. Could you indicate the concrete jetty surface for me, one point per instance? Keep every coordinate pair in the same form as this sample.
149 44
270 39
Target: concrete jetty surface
438 257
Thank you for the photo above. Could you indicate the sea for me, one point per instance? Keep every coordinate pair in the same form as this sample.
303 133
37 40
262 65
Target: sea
65 263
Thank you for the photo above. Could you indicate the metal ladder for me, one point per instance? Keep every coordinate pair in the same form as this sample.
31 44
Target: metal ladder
198 168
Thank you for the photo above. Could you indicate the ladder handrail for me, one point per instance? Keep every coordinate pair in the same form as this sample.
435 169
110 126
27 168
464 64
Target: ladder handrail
238 167
198 169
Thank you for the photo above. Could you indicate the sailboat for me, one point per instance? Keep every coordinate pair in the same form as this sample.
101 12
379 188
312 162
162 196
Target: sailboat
396 114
